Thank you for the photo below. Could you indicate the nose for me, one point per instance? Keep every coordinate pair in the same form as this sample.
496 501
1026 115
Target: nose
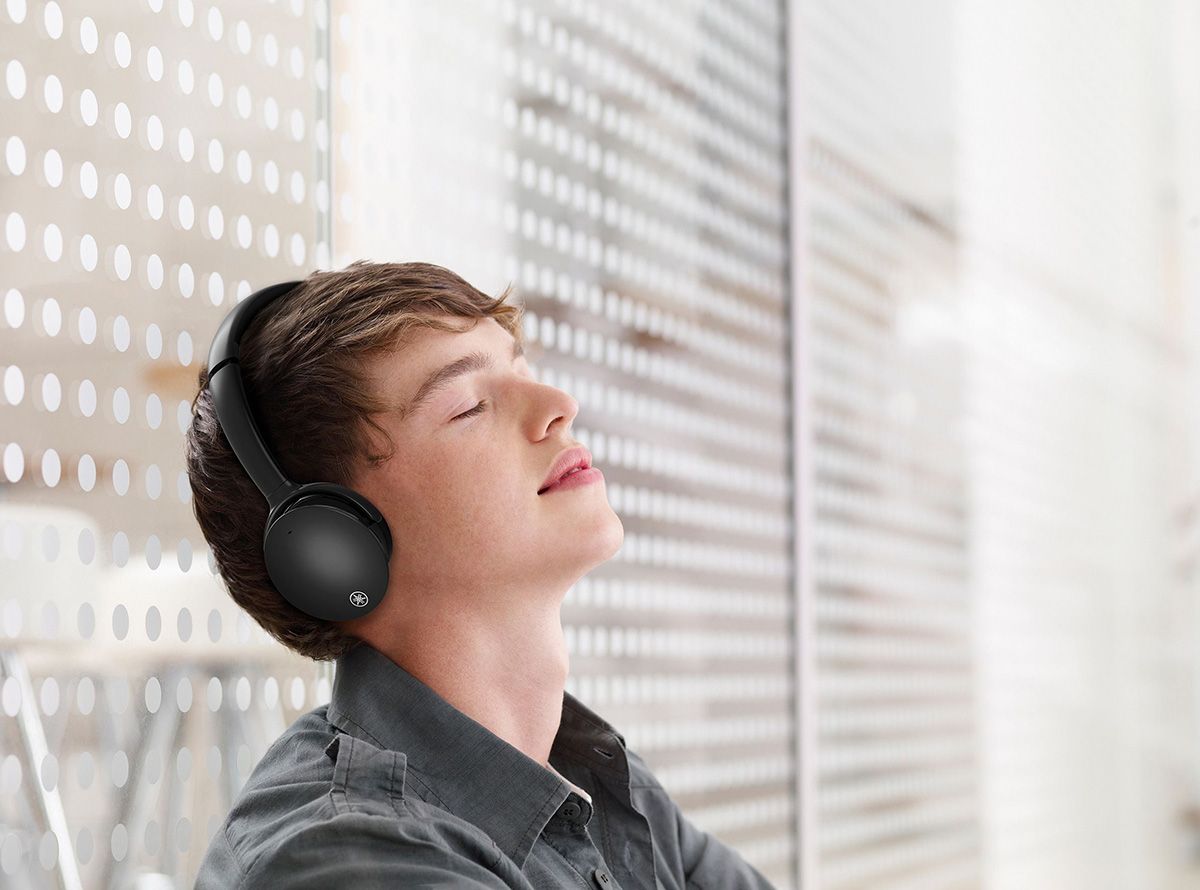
559 406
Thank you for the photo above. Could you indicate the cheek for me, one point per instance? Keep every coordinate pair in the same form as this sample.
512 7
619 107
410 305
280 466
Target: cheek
477 511
448 506
474 487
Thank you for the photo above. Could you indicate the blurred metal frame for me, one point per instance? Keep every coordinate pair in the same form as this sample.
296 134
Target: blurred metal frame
804 643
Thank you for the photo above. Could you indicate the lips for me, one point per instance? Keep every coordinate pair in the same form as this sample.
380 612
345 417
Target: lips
572 458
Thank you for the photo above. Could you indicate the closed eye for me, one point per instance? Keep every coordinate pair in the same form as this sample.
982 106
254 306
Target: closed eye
478 409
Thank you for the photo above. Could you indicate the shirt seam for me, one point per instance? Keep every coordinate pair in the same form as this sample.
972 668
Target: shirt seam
420 780
394 798
605 837
338 712
233 853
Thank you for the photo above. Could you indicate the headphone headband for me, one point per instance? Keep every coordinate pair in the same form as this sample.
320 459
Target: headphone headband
326 547
229 396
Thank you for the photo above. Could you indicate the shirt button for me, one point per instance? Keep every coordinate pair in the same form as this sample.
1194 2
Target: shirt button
602 879
570 810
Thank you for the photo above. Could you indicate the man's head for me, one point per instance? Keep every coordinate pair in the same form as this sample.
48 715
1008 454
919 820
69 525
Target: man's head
331 370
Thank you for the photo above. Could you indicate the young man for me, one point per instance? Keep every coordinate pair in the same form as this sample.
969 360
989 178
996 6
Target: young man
451 754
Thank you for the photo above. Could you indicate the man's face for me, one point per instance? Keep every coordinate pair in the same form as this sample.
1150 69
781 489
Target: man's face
460 494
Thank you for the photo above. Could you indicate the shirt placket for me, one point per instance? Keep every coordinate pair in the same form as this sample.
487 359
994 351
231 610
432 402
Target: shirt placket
568 833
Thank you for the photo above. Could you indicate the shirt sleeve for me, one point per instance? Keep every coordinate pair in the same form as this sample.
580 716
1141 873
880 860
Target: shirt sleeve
366 852
709 864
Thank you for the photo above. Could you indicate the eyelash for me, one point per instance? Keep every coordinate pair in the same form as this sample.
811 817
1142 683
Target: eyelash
476 410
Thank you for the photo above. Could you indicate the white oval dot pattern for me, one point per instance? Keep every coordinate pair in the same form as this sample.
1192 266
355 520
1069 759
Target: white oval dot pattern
158 162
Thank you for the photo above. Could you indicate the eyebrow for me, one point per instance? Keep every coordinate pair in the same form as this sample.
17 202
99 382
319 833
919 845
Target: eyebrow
442 377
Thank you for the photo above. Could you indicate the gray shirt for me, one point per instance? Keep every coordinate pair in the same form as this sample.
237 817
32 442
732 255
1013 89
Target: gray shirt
390 786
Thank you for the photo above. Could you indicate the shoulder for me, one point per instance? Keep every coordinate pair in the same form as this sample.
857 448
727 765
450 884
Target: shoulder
370 850
288 788
319 795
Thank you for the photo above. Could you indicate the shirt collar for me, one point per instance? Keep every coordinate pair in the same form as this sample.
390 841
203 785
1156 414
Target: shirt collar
455 756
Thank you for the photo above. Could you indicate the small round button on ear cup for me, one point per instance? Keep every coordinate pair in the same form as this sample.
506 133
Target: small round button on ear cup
324 560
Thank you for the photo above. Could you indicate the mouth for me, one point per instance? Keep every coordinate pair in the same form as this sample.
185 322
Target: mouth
566 475
569 462
575 479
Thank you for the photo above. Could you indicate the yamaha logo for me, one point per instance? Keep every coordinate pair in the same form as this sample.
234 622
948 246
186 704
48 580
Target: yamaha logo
358 598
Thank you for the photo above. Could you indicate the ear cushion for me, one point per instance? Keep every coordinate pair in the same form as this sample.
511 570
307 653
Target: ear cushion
331 500
326 558
379 529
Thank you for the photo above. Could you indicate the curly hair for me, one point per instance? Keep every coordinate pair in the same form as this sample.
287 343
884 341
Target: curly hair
309 351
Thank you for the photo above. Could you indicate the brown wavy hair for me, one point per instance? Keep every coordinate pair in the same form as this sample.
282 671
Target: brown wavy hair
308 351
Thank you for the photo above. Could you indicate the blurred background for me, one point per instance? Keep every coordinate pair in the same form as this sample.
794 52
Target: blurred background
882 318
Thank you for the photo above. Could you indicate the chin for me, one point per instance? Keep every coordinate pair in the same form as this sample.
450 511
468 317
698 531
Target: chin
615 531
594 543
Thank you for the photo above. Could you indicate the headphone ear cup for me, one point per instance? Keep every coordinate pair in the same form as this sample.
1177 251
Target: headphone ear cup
327 558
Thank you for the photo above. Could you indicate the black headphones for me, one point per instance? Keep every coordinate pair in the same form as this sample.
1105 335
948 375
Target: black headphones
326 547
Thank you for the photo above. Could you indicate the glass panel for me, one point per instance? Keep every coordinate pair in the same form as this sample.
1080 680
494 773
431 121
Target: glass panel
998 258
624 165
160 162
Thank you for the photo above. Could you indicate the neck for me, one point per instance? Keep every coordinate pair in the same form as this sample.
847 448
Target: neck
509 677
